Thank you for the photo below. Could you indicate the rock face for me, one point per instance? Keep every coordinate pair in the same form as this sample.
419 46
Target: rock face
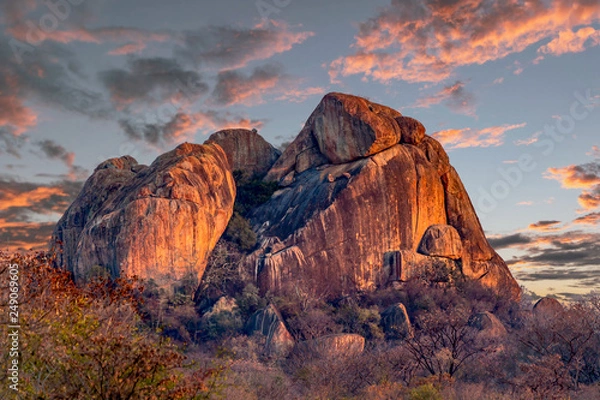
395 322
159 222
361 182
246 150
269 323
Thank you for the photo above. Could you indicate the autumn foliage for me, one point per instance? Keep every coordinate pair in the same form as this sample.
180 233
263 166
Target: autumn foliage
90 343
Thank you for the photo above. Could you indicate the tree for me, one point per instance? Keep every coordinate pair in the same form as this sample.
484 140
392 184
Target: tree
88 342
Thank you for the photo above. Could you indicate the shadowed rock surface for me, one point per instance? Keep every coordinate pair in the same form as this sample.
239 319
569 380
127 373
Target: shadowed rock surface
395 322
159 222
362 181
269 322
246 150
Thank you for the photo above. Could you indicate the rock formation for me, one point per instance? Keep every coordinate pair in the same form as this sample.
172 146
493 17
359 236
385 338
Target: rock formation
488 325
269 322
159 222
246 150
363 182
395 322
547 307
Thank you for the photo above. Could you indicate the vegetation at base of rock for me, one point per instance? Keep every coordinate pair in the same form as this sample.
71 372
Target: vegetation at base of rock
89 342
185 344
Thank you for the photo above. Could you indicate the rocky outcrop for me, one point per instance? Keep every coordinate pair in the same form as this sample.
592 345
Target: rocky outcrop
395 322
246 150
269 322
159 222
362 182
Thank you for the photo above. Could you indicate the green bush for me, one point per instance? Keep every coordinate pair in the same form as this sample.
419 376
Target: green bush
240 232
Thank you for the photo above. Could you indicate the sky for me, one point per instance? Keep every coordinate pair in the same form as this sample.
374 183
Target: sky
511 89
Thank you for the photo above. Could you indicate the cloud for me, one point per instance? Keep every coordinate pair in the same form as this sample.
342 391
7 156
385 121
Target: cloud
468 137
53 150
572 255
228 47
426 41
589 219
184 126
503 242
152 81
569 41
595 152
584 176
49 76
26 236
296 95
233 87
528 141
455 97
13 113
28 211
526 203
545 226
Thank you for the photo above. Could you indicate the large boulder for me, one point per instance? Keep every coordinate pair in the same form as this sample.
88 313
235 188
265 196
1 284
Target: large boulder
270 323
441 241
413 131
159 222
246 150
547 307
488 325
395 322
342 129
343 210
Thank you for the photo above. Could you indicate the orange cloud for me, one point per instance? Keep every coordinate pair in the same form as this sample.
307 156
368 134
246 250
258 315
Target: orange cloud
28 198
576 176
546 226
14 114
572 42
128 48
589 219
426 41
585 176
467 137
